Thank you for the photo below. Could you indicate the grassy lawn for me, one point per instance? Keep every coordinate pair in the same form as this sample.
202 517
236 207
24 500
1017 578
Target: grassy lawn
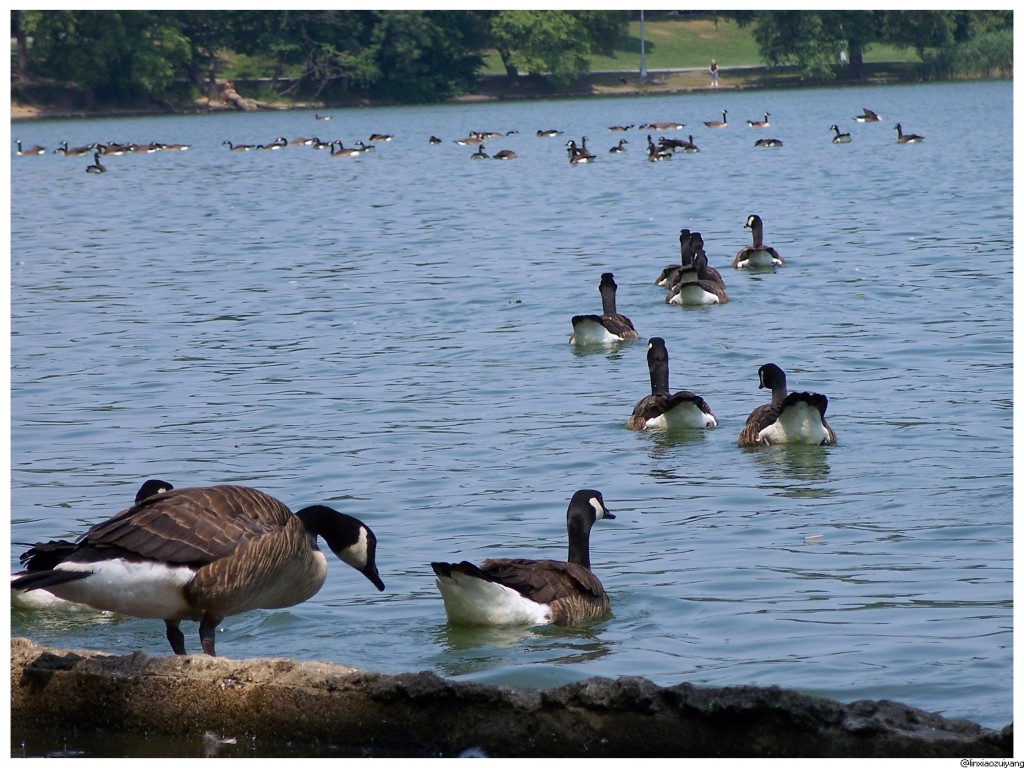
680 43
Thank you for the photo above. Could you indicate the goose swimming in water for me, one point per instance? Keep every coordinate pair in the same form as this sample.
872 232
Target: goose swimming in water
867 116
906 138
97 166
508 591
664 409
202 554
609 326
790 417
758 255
839 138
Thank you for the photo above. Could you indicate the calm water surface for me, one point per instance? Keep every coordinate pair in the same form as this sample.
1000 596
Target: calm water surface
388 334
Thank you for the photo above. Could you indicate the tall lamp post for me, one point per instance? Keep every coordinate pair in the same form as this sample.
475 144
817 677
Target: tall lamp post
643 58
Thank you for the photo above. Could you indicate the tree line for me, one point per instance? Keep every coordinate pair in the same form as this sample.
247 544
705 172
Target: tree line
416 56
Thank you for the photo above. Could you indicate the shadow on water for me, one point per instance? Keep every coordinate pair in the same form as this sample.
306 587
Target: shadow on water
782 465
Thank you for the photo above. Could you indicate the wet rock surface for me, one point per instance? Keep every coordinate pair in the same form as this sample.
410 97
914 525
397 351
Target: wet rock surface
422 714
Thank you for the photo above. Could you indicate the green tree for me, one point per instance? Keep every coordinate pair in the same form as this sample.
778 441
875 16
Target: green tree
113 55
556 42
813 39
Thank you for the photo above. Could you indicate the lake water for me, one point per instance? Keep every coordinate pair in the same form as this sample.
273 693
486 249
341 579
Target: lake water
388 334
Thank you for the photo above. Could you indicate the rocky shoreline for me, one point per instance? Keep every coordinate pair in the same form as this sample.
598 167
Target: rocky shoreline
424 715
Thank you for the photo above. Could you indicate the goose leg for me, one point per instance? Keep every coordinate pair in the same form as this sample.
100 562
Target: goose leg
207 631
175 637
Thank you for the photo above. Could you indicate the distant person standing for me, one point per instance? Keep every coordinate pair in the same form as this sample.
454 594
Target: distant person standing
713 69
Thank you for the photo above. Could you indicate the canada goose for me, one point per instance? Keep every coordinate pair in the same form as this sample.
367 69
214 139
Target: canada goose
279 143
663 409
433 140
579 154
768 143
867 116
317 144
656 154
906 138
45 555
760 123
321 117
73 151
696 248
549 133
607 327
301 141
718 123
688 146
97 166
143 149
662 126
237 147
504 591
620 127
343 151
794 417
112 148
175 147
479 154
670 274
619 148
470 141
839 138
490 134
758 255
505 154
380 137
35 149
695 288
365 147
203 554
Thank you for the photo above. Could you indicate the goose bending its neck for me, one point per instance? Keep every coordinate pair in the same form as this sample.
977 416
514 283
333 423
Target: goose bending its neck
202 554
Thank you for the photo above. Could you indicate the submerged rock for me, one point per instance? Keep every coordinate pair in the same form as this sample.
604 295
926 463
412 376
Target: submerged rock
422 714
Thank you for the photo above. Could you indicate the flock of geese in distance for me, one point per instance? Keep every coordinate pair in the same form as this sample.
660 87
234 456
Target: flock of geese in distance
202 554
578 153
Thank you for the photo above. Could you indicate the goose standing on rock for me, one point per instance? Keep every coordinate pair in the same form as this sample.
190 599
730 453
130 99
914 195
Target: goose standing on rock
45 555
723 123
609 326
790 417
663 409
758 255
839 138
203 554
507 591
906 138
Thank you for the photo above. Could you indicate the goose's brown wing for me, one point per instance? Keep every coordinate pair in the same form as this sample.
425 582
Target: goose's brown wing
758 419
542 581
190 525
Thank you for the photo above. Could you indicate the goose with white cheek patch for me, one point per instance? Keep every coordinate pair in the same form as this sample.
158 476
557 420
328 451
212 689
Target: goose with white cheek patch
505 591
203 554
790 417
45 555
758 255
664 409
608 327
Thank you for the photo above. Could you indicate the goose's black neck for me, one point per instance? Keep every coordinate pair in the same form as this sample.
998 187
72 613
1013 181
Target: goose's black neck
607 289
657 364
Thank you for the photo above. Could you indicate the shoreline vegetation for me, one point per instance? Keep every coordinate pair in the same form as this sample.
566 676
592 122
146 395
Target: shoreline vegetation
228 73
54 102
